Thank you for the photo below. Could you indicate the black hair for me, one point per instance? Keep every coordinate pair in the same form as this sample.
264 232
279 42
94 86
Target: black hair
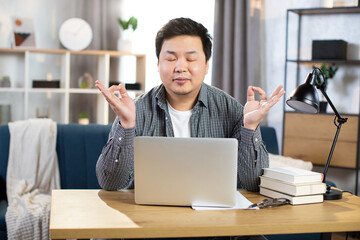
184 26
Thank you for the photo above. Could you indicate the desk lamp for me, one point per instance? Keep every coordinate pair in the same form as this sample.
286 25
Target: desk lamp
305 99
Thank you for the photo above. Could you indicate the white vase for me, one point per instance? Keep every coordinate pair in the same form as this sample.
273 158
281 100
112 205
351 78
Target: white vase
124 45
83 121
124 42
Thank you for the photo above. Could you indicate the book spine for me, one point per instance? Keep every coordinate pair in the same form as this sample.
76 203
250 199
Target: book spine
293 200
293 189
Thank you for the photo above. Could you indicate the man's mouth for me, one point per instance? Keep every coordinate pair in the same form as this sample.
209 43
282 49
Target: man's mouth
181 80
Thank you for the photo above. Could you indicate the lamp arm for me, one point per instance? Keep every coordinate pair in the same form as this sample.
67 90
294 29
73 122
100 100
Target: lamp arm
328 100
340 120
331 150
321 87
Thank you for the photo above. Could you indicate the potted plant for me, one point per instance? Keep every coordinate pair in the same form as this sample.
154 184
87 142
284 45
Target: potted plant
329 72
5 82
83 118
124 42
86 81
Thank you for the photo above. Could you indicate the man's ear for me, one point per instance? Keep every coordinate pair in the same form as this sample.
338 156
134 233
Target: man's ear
207 66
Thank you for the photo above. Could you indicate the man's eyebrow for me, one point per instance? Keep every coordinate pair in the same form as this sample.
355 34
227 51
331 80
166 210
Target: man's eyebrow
191 52
174 53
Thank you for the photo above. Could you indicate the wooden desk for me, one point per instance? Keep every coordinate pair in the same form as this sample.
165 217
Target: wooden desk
103 214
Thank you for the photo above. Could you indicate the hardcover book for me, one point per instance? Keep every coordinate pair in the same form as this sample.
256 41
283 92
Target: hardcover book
292 175
298 189
294 200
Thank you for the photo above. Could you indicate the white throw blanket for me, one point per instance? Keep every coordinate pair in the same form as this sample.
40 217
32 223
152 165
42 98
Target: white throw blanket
31 175
276 161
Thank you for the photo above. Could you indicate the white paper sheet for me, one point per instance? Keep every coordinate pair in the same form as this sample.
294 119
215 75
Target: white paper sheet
241 203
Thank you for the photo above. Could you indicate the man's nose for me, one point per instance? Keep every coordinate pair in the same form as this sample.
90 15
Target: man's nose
181 65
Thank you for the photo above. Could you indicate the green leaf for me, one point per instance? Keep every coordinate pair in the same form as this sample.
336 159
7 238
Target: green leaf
83 115
328 71
126 24
133 22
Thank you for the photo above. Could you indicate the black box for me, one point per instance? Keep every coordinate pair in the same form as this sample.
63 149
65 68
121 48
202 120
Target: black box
133 86
329 49
128 86
46 84
111 83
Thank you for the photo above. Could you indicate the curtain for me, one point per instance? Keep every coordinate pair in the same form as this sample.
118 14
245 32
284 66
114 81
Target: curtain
237 47
102 16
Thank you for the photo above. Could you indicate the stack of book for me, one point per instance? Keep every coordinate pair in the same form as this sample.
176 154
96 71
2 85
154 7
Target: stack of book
298 185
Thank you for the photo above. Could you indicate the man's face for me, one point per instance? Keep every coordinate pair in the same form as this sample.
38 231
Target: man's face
182 65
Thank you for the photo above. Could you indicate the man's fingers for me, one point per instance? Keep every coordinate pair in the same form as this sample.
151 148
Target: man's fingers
108 93
250 94
261 92
122 91
99 84
277 91
273 100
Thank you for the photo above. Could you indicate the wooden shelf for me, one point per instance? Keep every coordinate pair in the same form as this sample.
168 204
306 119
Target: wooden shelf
63 108
309 137
63 51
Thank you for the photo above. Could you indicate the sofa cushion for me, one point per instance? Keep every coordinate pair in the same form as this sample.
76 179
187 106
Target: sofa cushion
269 137
4 156
78 148
3 207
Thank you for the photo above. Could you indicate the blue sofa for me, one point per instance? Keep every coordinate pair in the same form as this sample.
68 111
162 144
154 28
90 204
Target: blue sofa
78 147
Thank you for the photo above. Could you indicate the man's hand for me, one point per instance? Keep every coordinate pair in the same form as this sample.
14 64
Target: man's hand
255 111
123 106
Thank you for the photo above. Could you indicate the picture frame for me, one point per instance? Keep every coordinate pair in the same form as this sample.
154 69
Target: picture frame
23 32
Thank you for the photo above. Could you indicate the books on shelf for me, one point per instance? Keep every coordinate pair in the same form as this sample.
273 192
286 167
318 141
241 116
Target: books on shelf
293 175
294 200
298 185
294 189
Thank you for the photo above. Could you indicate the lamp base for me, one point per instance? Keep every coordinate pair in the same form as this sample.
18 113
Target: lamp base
332 194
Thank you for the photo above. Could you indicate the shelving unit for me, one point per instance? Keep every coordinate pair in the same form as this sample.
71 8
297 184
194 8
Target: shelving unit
24 99
309 136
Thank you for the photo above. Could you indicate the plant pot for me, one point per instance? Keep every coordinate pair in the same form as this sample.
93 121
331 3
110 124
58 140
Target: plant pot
83 121
322 106
124 45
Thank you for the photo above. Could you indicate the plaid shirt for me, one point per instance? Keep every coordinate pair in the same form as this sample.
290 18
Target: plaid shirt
215 115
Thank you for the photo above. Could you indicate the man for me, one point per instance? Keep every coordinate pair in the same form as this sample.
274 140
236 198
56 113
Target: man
183 106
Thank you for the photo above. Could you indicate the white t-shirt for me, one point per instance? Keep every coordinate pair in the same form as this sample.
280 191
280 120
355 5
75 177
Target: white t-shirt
180 121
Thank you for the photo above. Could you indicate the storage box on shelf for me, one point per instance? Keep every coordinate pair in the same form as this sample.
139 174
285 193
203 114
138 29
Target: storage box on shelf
26 65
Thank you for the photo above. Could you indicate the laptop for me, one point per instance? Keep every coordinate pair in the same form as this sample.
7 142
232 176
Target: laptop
185 171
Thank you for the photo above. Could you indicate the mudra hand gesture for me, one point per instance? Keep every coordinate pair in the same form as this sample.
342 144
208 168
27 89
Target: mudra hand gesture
254 111
123 106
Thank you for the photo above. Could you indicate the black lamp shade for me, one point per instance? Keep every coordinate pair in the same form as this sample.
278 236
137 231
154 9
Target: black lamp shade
304 98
